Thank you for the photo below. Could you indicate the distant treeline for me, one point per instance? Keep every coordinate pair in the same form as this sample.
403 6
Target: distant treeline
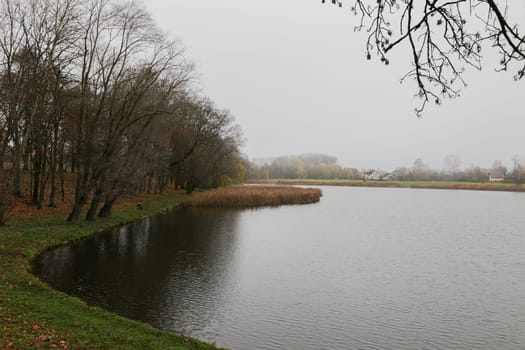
325 167
96 89
452 172
472 174
306 166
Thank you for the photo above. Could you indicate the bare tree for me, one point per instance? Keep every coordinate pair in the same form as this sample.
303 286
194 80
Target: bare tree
443 37
122 57
452 163
35 38
49 33
215 155
518 173
498 169
12 94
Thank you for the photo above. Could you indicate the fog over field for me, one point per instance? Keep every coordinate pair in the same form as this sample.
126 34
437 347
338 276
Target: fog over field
295 75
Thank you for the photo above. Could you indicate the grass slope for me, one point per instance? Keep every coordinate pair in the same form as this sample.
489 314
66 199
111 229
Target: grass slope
34 316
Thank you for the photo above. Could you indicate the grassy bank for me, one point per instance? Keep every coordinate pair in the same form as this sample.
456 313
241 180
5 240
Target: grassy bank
34 316
444 185
256 196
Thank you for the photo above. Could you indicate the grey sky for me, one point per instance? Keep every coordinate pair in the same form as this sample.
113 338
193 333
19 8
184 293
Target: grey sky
294 75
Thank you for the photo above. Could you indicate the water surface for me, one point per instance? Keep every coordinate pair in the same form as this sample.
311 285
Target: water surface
367 268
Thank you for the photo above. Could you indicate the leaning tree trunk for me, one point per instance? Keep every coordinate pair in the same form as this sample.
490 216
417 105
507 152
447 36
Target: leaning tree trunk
92 212
81 196
105 212
77 207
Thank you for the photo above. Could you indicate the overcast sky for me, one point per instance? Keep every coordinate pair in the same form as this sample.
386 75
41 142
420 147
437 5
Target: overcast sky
295 76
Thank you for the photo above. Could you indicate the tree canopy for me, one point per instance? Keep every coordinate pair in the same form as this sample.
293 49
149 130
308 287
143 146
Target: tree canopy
442 38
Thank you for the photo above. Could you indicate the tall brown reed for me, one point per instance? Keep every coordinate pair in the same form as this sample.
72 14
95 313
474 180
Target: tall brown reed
256 196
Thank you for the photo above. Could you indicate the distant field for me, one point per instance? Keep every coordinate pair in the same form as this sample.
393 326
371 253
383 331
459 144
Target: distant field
445 185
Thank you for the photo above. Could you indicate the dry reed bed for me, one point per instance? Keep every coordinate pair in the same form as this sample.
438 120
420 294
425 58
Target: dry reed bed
255 196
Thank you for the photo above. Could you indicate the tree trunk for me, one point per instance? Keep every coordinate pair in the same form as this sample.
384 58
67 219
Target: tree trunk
92 212
74 164
3 207
77 207
62 182
3 151
81 196
190 187
4 198
105 212
157 184
36 184
53 172
163 183
143 184
62 170
17 189
150 184
42 194
52 195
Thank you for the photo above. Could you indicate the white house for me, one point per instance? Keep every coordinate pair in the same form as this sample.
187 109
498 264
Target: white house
496 176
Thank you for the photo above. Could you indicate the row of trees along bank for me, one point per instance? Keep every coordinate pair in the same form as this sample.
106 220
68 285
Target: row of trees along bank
96 89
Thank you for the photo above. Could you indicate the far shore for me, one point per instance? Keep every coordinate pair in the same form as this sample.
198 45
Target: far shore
441 185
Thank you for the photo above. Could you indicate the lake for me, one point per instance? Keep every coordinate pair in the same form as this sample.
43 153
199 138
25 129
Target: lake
367 268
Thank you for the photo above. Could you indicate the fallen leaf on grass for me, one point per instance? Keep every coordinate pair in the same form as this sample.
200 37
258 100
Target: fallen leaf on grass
43 337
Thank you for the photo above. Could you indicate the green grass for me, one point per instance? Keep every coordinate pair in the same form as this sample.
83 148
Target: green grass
450 185
35 316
